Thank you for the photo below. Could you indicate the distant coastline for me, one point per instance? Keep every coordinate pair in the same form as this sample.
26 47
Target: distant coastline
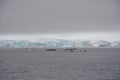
58 43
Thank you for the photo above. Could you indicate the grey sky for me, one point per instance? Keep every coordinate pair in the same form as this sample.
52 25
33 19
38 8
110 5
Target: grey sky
59 16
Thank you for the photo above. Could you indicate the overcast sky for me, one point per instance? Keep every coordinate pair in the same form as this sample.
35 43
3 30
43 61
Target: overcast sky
60 17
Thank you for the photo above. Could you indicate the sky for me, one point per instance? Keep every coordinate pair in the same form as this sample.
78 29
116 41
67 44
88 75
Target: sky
73 19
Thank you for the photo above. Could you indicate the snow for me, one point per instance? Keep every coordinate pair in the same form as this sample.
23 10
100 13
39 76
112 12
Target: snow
46 42
115 44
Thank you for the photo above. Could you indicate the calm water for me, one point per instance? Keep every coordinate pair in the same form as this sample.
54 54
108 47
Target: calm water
39 64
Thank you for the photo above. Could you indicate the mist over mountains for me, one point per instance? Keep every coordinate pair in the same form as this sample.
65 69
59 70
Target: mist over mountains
57 43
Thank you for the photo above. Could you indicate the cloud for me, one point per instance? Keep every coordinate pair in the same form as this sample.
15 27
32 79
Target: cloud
59 16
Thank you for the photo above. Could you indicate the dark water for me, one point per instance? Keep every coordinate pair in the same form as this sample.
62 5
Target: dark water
38 64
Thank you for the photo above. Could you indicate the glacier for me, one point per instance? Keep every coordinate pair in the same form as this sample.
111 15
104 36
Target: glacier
50 42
